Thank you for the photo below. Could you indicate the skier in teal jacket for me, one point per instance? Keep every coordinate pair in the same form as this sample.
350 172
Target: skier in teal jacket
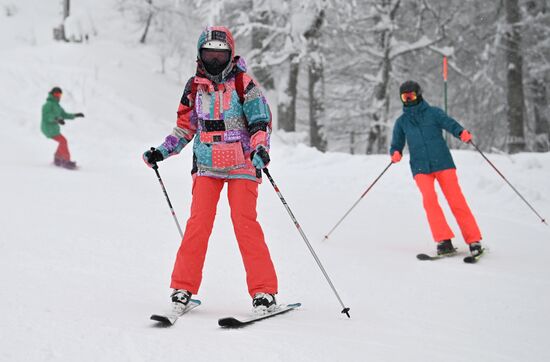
421 126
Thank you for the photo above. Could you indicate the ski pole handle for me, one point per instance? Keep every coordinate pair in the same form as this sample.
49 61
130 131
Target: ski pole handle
154 164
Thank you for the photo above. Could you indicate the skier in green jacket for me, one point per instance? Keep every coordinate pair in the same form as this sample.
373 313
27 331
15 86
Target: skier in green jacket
53 115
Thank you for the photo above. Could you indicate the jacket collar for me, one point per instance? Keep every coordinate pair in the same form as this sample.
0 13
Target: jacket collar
51 98
416 108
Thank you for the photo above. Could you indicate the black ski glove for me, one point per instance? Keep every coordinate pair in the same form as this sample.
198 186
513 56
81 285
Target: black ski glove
151 157
61 121
260 157
79 115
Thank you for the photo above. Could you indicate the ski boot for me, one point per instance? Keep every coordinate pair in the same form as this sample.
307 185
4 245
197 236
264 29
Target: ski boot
58 161
69 165
445 248
180 299
476 249
264 303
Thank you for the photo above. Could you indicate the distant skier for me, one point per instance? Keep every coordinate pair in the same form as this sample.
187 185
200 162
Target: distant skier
54 115
224 110
420 126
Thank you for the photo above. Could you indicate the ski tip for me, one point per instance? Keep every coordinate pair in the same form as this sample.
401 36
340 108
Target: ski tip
196 301
470 259
229 322
162 320
293 305
436 256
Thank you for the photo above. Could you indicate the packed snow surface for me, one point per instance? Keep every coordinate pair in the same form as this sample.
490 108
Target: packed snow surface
86 256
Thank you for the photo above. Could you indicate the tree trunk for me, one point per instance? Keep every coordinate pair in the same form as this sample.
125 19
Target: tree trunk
287 106
514 77
377 141
148 22
66 9
66 13
540 112
377 138
316 83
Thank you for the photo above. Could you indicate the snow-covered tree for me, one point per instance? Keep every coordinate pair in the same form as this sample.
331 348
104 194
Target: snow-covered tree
144 12
373 45
165 25
334 66
275 29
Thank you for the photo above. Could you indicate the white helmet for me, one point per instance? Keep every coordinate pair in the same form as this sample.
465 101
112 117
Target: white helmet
215 44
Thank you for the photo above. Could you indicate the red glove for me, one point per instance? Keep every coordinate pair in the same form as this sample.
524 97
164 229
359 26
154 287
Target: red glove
396 157
465 136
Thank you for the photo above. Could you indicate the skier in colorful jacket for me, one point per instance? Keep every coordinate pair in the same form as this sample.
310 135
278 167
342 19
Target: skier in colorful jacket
53 115
420 126
225 112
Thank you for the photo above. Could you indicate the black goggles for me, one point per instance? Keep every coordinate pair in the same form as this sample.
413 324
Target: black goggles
210 55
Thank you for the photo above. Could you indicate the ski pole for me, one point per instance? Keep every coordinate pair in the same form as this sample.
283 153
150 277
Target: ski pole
508 182
345 309
156 168
356 202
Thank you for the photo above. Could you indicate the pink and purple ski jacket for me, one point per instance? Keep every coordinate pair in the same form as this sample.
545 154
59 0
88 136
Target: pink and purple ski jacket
226 124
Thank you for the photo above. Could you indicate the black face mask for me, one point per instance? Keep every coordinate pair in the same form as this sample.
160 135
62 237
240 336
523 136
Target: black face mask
215 61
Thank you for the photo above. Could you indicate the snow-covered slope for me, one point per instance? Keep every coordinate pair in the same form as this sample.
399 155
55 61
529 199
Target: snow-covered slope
86 256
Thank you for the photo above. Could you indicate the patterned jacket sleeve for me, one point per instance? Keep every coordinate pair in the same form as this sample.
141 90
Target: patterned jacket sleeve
257 113
186 125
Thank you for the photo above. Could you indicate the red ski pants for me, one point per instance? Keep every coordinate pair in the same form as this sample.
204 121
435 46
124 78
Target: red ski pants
448 182
62 151
242 195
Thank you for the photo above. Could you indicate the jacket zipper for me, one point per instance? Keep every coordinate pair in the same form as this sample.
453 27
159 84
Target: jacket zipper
219 96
